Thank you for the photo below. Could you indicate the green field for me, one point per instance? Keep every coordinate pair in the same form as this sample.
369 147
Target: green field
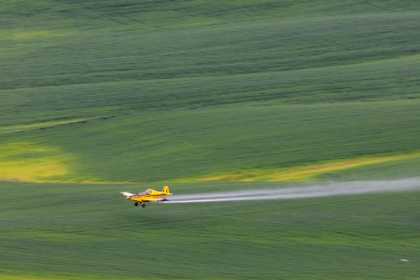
101 96
52 231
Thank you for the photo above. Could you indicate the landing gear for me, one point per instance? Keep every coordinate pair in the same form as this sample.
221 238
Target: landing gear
137 204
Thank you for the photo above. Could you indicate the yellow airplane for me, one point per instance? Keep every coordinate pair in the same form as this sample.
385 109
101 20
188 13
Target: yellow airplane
147 196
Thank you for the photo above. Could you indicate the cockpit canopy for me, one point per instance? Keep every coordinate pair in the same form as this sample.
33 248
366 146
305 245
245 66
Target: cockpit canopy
148 192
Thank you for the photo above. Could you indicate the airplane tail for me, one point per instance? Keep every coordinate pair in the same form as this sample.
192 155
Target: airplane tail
165 190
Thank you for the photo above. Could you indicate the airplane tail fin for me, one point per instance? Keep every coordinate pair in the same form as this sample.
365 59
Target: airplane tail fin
165 190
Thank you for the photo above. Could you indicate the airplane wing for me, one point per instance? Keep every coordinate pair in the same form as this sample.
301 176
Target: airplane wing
154 200
160 200
126 194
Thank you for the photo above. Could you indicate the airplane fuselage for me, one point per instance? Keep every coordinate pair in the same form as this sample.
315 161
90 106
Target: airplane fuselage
143 197
149 195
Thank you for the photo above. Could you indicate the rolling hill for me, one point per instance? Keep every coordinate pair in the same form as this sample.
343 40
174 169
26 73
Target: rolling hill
247 68
102 96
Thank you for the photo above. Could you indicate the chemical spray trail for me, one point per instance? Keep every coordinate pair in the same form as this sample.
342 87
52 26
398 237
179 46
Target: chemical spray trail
321 190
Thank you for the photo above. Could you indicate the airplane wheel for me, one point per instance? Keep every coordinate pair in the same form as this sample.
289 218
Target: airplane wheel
136 204
143 205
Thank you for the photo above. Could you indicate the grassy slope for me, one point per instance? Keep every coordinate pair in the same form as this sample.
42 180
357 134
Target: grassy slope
188 144
91 65
132 61
88 232
203 88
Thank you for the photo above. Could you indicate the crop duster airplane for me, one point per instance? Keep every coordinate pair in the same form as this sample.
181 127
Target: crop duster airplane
147 196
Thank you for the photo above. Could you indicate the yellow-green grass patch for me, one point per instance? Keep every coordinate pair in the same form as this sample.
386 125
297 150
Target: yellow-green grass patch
305 172
37 125
50 276
30 161
25 34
